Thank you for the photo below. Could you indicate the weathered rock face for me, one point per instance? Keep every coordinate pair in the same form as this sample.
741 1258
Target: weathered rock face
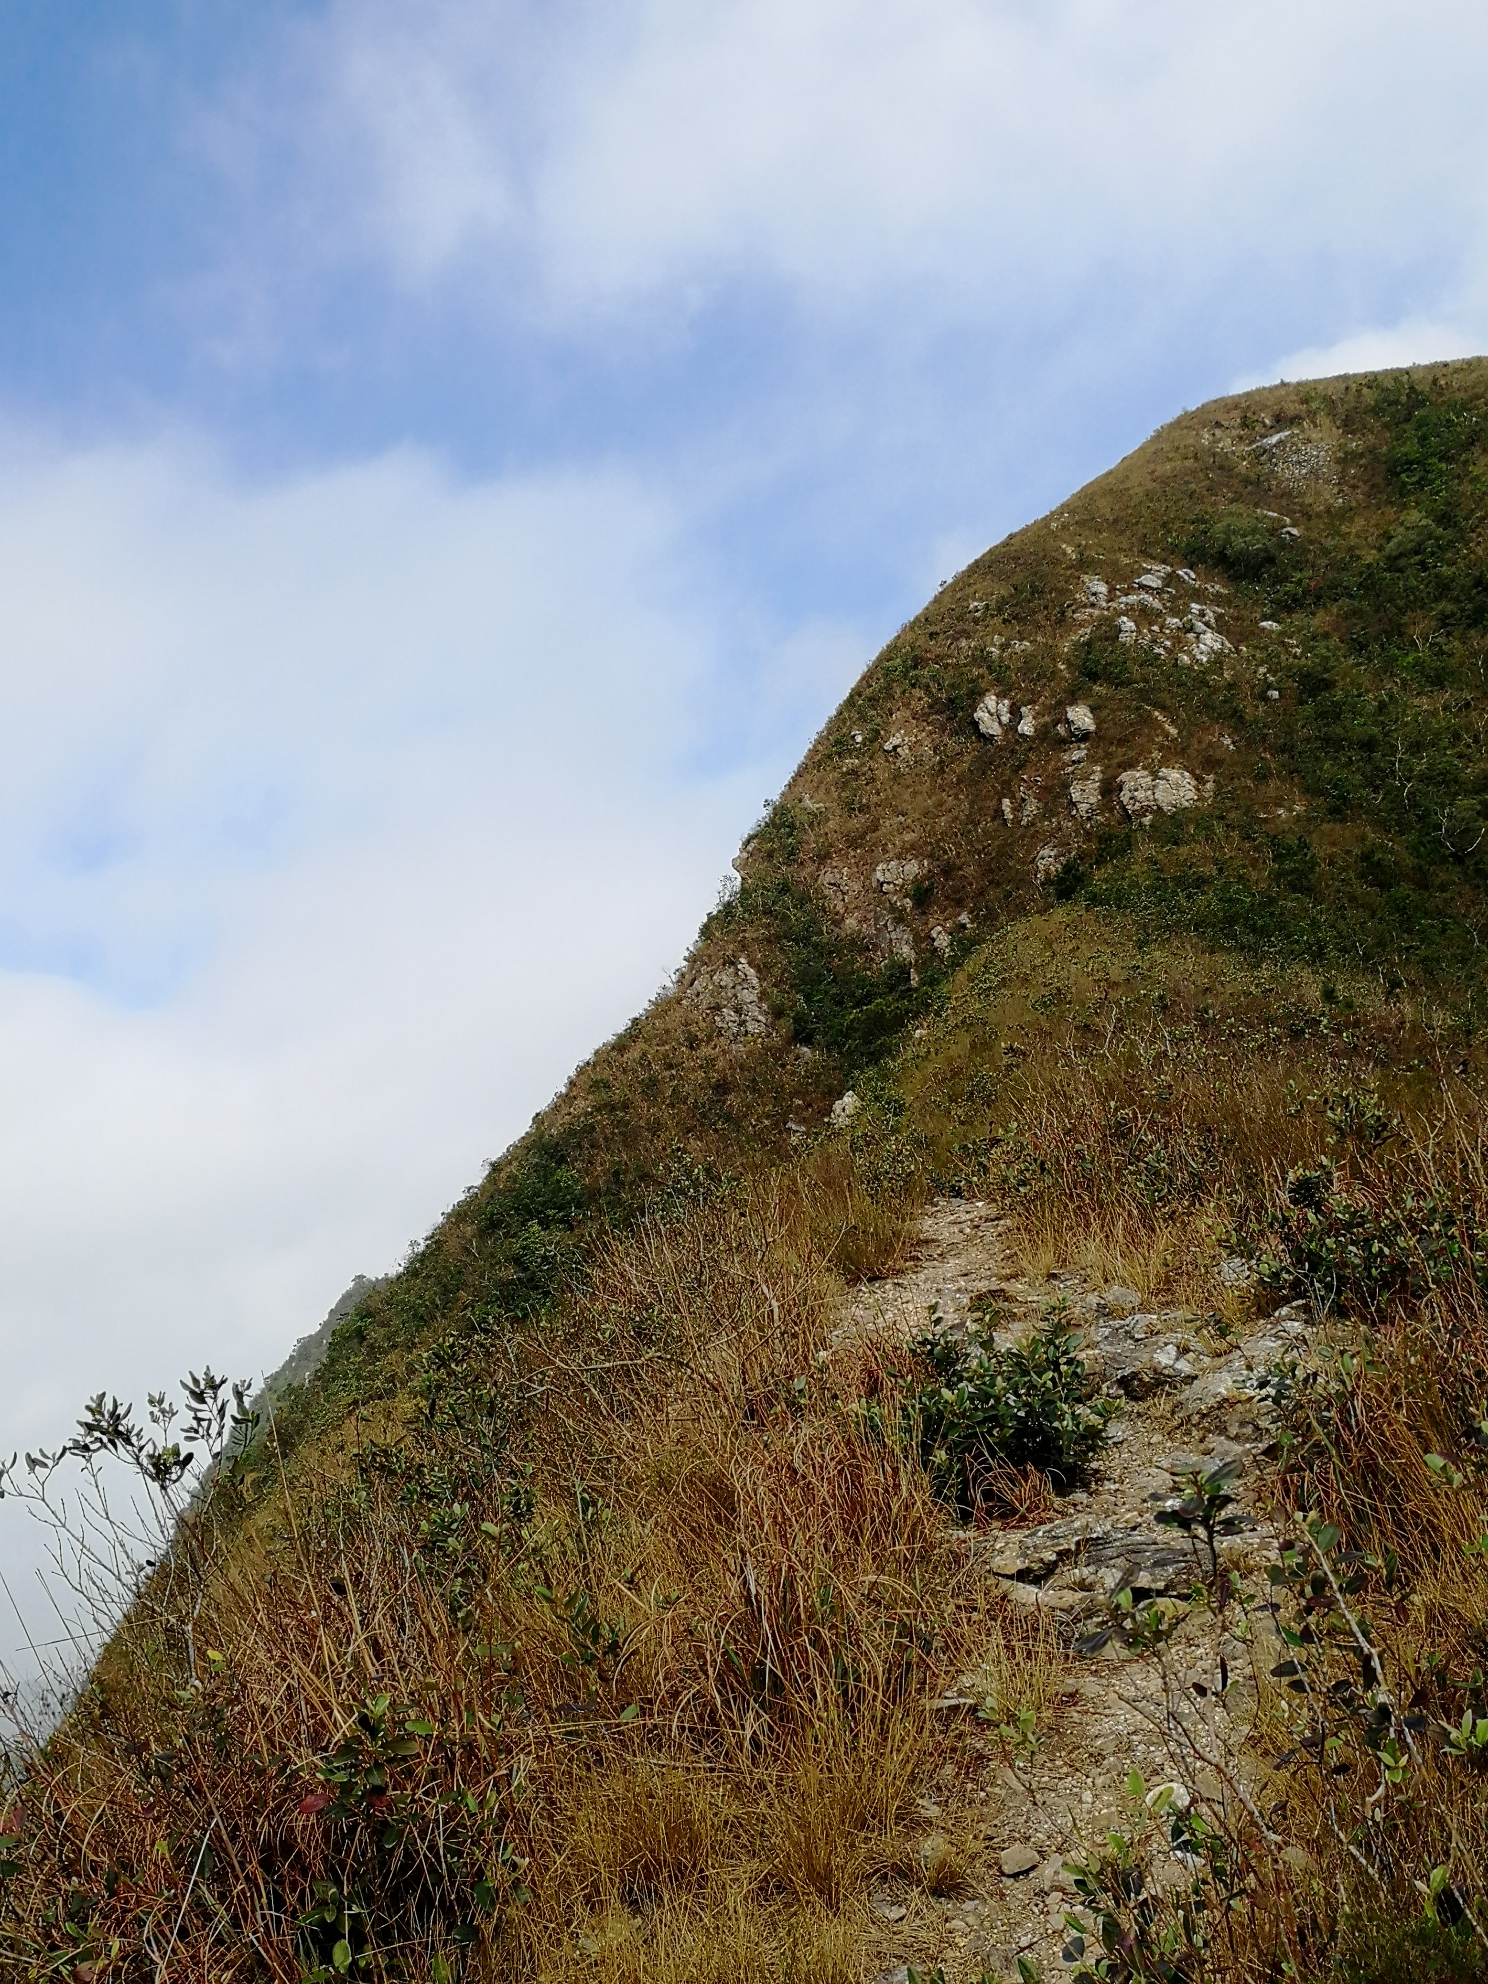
1079 722
1085 790
731 994
1050 858
897 878
841 888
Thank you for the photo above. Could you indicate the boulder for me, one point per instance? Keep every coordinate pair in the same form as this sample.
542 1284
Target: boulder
1143 793
1134 791
993 714
1174 789
1079 721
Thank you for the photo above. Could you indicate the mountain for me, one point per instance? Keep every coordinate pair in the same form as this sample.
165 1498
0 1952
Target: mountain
954 1444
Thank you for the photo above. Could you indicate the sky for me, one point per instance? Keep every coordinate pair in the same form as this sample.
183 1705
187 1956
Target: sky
454 455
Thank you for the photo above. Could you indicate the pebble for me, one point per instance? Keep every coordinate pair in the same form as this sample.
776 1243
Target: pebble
1018 1860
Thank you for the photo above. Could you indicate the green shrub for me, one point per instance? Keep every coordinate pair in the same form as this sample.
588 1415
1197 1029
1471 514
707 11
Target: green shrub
1243 542
1360 1250
990 1411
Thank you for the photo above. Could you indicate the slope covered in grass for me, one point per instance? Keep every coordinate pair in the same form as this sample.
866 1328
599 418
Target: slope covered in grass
585 1615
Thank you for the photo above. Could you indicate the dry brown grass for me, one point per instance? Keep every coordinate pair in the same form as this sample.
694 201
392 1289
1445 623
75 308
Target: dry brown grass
667 1709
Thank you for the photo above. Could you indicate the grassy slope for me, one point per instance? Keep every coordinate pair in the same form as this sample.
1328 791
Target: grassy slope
591 1451
1345 831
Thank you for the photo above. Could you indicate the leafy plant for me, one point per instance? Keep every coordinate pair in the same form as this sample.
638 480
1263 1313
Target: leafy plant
1360 1248
1205 1514
1033 1405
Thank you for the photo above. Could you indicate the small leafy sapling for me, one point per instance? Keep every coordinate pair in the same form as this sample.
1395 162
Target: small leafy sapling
1205 1515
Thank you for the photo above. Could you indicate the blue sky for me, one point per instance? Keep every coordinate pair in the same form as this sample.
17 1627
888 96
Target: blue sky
452 457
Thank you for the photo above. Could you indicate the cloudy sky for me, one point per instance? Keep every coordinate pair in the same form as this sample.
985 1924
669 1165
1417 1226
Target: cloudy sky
453 454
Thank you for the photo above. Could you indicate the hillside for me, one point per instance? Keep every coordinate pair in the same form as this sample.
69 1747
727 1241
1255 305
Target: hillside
1010 1317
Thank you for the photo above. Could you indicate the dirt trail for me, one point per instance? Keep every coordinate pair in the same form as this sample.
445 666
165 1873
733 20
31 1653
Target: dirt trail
1178 1712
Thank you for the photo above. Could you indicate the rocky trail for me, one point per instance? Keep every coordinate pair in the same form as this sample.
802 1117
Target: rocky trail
1175 1704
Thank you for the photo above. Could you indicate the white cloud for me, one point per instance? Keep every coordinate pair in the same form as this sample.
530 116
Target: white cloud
973 152
1418 341
341 818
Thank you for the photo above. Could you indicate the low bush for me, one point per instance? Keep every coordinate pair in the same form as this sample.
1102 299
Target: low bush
992 1414
1360 1248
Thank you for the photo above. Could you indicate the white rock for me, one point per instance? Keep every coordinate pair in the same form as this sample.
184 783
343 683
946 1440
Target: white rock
844 1108
1050 858
1085 793
1236 1272
941 938
1270 626
898 744
1207 641
731 993
1174 790
1027 717
1189 578
1007 811
898 874
1031 806
1080 721
993 714
1134 789
1126 630
1097 592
